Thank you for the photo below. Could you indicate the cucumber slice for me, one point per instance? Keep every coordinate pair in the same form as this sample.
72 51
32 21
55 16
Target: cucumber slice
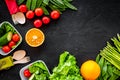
32 77
5 38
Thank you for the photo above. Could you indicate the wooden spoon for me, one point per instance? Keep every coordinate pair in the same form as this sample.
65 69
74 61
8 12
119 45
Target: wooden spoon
17 55
22 61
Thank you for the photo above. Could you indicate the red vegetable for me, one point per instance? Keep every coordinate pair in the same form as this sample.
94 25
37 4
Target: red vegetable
37 23
15 37
23 8
55 14
38 11
11 44
30 14
27 73
6 49
46 20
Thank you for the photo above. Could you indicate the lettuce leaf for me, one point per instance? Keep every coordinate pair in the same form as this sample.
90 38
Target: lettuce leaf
66 69
39 70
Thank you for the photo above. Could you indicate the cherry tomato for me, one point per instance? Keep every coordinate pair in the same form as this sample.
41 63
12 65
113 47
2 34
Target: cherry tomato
30 14
46 20
6 48
38 11
15 37
23 8
27 73
11 44
37 23
55 14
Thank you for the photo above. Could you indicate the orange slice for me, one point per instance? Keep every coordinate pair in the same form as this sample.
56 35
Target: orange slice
34 37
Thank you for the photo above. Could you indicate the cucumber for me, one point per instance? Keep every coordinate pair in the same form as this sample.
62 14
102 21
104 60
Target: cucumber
5 38
1 32
32 77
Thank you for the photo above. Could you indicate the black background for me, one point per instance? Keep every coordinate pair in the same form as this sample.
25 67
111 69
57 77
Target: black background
83 33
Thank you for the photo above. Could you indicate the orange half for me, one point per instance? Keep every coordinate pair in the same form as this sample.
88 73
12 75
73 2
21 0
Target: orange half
34 37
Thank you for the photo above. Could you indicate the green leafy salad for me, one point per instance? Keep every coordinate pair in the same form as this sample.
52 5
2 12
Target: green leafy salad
5 28
66 69
6 32
39 71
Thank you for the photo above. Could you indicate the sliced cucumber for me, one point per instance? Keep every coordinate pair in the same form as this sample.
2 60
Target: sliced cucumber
32 77
5 38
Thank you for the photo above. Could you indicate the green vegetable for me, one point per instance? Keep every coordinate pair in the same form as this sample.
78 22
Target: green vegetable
39 71
54 2
6 31
20 1
9 28
53 7
38 4
69 5
46 2
28 4
5 38
45 10
59 5
66 69
60 2
2 32
33 5
109 60
32 77
110 54
6 27
108 71
69 0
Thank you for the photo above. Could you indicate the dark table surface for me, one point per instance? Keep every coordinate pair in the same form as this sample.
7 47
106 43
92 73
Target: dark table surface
83 33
